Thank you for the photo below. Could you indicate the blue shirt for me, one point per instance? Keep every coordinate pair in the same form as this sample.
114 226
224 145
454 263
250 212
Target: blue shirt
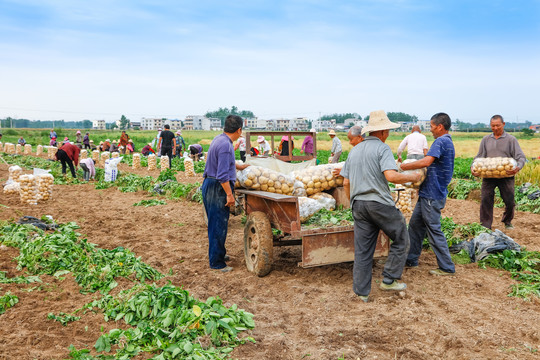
440 172
220 163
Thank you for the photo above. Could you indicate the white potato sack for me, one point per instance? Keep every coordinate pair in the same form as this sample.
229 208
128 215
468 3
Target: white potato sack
28 192
15 172
136 163
319 178
51 152
84 154
422 172
12 187
44 183
325 199
164 162
495 167
10 148
189 168
27 149
307 207
115 154
259 178
152 164
95 156
39 150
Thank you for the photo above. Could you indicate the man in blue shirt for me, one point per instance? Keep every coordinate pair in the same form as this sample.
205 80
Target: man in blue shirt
217 189
426 217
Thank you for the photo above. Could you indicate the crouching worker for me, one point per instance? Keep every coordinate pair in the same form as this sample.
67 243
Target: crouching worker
217 189
89 169
367 171
426 217
68 154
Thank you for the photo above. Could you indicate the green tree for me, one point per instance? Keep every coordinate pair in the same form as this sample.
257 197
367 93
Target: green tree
124 122
222 113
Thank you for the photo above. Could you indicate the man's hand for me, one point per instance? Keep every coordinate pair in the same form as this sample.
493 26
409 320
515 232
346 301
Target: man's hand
301 151
230 200
336 172
475 173
241 166
399 159
513 172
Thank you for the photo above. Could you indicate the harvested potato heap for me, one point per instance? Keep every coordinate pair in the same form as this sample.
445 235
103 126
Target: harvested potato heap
15 172
28 192
319 178
84 154
189 168
496 167
18 149
51 152
39 150
422 172
10 148
136 164
27 149
259 178
104 157
44 186
152 162
164 162
115 154
12 188
405 199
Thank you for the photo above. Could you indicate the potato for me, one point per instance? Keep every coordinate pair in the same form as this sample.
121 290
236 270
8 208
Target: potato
270 183
278 191
317 185
264 187
277 185
273 177
271 189
248 183
263 180
285 188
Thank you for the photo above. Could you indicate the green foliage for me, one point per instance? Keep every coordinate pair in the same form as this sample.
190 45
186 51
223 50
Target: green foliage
18 279
462 168
327 218
7 301
340 118
460 189
222 113
527 133
151 202
167 174
63 318
455 233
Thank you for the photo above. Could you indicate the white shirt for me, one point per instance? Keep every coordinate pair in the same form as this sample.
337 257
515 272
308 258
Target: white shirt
415 142
265 146
336 145
241 144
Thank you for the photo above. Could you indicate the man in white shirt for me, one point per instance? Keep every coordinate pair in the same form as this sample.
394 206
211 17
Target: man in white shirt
335 152
264 146
241 146
416 143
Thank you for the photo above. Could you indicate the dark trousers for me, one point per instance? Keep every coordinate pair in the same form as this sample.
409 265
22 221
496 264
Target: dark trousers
165 150
214 200
65 160
506 188
243 156
369 218
86 146
426 219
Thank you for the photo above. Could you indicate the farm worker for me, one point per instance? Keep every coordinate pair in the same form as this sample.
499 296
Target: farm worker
264 146
53 142
180 143
195 151
416 144
130 147
68 154
78 139
286 145
217 189
147 150
355 137
53 134
335 152
89 169
113 147
307 145
499 144
106 145
241 147
92 146
86 141
66 140
426 217
21 141
124 139
155 141
367 171
167 143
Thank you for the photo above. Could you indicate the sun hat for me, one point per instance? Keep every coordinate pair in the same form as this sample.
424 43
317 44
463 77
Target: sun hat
286 138
260 139
91 141
149 144
331 132
100 143
178 132
78 132
130 140
66 139
108 140
379 121
114 141
313 130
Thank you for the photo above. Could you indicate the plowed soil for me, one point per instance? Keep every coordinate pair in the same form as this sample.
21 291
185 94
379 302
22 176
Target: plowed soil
299 313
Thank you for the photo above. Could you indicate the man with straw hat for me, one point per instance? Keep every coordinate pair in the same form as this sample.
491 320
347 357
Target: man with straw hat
367 171
335 152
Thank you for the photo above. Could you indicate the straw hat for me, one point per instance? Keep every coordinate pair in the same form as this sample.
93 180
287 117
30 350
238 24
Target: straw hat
91 141
332 132
108 140
260 139
379 121
130 140
114 141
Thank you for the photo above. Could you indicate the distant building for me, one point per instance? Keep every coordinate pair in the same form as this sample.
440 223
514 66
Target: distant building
299 124
152 123
270 124
282 124
175 124
424 124
188 123
324 125
98 124
536 128
135 125
255 123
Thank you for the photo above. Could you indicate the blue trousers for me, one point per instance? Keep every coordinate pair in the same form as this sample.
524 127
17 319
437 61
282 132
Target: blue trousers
214 200
426 219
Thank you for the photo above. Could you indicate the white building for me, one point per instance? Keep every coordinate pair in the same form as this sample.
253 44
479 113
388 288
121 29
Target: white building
175 124
152 123
98 124
270 124
324 125
424 124
255 123
300 124
282 124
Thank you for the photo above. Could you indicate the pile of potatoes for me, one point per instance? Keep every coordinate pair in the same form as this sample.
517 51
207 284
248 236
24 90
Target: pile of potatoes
104 156
44 186
495 167
95 156
12 188
39 150
189 168
9 148
404 204
259 178
18 149
152 165
27 149
164 162
15 172
422 172
325 199
136 163
319 178
115 154
28 191
51 152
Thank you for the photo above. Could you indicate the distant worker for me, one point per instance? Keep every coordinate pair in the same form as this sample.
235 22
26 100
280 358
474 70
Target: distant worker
307 145
53 134
53 142
21 141
264 146
113 147
106 145
147 150
89 169
336 150
416 144
180 144
167 143
124 139
68 154
78 139
241 147
499 144
355 137
130 147
286 145
86 141
195 151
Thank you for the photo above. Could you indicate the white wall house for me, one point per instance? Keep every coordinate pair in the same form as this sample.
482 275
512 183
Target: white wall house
98 124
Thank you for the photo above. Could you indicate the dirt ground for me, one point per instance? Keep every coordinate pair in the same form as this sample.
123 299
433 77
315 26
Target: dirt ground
299 313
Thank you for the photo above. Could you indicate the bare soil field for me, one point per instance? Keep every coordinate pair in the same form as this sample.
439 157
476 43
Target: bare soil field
299 313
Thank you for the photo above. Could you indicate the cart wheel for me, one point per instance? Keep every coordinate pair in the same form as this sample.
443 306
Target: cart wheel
258 244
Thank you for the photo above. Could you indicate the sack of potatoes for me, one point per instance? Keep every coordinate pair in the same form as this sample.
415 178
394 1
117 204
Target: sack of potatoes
307 207
495 167
404 202
136 163
325 199
319 178
39 150
263 179
422 172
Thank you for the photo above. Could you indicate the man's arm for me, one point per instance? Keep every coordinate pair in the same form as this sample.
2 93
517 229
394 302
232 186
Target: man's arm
400 178
347 187
425 152
230 197
174 146
418 164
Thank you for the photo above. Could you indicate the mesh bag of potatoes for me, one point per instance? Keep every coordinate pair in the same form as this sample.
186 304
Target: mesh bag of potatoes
422 172
27 149
307 207
259 178
152 165
404 204
18 149
51 152
164 162
104 156
15 172
319 178
28 192
39 150
10 148
95 156
84 154
327 200
44 183
136 163
189 168
12 187
495 167
115 154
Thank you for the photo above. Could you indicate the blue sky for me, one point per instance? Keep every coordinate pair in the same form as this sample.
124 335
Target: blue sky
77 60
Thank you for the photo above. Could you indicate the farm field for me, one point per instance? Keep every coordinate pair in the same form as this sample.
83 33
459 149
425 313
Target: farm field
298 313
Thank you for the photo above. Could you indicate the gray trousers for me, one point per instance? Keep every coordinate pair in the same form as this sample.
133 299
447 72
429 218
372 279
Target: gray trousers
415 156
335 158
369 218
